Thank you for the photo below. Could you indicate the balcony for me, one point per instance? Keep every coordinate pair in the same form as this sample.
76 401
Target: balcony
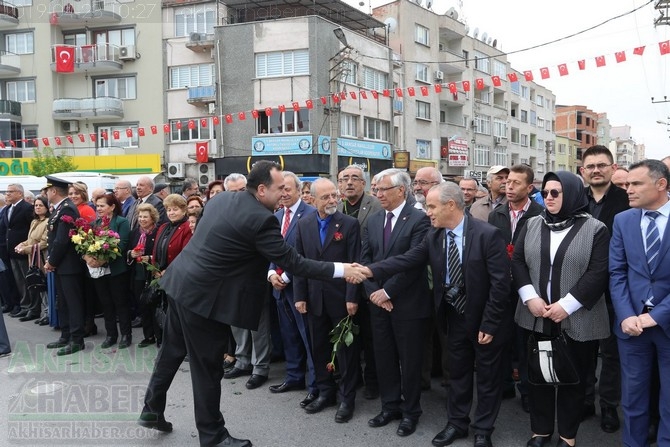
76 14
103 57
9 15
90 108
200 42
451 62
10 110
397 107
202 95
10 64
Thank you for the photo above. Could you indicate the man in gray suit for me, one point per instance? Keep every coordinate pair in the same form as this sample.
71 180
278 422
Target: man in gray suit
145 194
356 203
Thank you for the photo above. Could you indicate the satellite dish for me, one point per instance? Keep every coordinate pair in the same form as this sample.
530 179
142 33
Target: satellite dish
475 33
452 13
484 36
467 29
391 24
489 40
429 4
495 43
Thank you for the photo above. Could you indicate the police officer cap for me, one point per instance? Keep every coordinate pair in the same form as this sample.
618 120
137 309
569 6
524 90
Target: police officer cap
57 182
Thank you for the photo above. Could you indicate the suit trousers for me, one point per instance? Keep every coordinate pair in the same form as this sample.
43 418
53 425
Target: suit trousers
609 385
19 270
254 348
366 343
564 403
399 357
638 353
69 290
113 294
4 338
203 340
464 351
435 347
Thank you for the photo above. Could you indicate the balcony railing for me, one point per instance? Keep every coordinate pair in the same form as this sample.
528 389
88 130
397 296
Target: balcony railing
8 107
91 11
201 95
101 107
95 57
10 63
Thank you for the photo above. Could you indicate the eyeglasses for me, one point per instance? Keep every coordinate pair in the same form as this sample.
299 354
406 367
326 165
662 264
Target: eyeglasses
600 166
423 183
12 190
118 188
346 179
553 192
382 190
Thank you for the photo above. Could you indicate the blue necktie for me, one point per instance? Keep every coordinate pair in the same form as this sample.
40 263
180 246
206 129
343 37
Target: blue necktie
323 230
653 240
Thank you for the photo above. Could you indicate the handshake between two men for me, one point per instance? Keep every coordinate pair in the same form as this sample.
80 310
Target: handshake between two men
356 273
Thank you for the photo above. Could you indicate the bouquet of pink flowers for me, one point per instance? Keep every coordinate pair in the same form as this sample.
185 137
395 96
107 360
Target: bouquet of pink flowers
94 241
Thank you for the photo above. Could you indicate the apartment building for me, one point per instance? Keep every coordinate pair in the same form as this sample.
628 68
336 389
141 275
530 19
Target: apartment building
626 151
577 122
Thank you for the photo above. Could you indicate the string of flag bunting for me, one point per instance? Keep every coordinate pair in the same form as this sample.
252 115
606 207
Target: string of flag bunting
399 92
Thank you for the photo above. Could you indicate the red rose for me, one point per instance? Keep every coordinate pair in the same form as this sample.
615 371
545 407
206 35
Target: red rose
330 367
338 236
279 271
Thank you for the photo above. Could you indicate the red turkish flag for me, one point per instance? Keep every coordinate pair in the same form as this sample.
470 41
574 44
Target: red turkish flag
353 95
582 64
129 132
324 100
229 118
438 88
69 140
254 114
544 72
268 111
364 94
479 83
639 51
2 144
64 59
296 106
512 77
282 108
600 61
620 56
241 116
343 96
452 87
424 90
166 127
563 69
82 137
58 140
13 144
92 136
398 92
528 75
191 124
664 47
140 131
496 81
375 94
203 121
104 135
216 120
466 86
410 91
336 98
386 92
310 104
36 142
202 152
53 18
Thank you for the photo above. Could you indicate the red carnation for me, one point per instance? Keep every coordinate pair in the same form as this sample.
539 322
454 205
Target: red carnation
510 250
338 236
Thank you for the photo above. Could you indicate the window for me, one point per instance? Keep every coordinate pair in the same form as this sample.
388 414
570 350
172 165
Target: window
499 128
289 121
483 124
524 92
540 167
349 72
194 19
282 63
524 116
123 88
374 79
515 87
22 3
524 140
515 135
466 56
482 155
483 95
124 36
192 76
422 35
29 133
561 148
540 144
500 155
500 69
533 117
77 39
547 125
376 129
181 132
547 103
349 125
423 110
19 43
123 141
423 149
540 122
482 62
539 100
422 73
21 91
561 167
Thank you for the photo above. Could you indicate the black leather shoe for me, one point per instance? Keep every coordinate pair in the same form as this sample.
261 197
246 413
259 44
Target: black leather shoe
126 340
60 343
371 392
93 330
146 342
653 431
109 341
233 442
407 427
311 397
137 322
525 404
562 443
538 441
319 404
588 411
448 436
71 348
6 308
383 419
509 393
155 421
236 372
287 386
255 381
483 441
344 413
42 321
609 419
29 317
18 313
227 364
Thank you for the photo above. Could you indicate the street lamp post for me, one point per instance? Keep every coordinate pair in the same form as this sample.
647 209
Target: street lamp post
335 73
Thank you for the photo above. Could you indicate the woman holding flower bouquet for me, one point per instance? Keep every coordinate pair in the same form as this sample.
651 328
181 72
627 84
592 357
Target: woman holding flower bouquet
112 286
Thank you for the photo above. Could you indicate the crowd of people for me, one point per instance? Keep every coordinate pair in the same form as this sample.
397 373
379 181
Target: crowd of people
427 261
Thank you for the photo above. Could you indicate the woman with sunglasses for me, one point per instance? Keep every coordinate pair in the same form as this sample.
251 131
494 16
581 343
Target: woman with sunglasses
559 266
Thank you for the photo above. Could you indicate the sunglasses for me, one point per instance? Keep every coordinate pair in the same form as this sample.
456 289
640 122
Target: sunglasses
552 192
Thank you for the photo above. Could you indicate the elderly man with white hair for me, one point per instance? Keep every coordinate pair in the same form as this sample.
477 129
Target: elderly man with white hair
145 194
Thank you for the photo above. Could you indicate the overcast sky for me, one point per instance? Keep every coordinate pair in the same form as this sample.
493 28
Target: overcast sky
622 90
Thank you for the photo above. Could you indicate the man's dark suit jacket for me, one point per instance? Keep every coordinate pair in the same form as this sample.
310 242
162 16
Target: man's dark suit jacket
615 202
499 218
60 250
347 249
151 200
408 290
18 226
221 273
369 206
486 270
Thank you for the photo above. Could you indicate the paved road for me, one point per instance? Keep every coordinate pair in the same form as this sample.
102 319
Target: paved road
94 399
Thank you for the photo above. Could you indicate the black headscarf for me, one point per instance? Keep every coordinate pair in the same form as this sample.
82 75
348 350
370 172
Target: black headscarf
575 202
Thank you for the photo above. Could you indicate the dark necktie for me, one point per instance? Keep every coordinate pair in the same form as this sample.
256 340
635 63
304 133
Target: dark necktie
653 240
387 229
455 272
287 221
323 231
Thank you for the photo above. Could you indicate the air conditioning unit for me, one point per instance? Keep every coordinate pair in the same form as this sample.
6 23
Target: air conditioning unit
439 76
498 140
127 53
196 37
211 108
176 170
70 126
206 173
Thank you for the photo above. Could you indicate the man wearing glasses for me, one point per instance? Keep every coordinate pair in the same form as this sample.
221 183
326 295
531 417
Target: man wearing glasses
469 188
605 201
123 192
424 179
